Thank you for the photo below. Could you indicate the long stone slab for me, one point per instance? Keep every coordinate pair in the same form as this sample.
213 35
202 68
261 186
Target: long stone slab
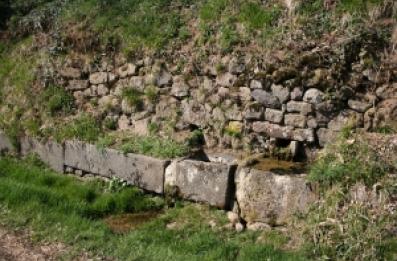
50 152
266 197
200 181
142 171
5 143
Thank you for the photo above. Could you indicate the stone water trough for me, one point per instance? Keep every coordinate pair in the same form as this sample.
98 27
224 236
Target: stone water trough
259 195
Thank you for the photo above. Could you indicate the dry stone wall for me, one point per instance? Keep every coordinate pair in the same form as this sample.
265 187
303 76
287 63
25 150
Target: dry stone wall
239 101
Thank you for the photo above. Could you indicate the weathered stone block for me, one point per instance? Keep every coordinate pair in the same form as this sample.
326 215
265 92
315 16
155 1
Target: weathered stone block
283 132
303 108
295 120
359 106
270 198
77 85
202 181
142 171
275 116
281 92
50 152
266 99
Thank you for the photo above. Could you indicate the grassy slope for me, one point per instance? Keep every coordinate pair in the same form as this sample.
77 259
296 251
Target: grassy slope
62 208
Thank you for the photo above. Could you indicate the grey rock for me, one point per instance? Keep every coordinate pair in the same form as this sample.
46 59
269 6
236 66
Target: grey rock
70 73
344 118
295 120
102 90
142 171
164 78
180 88
303 108
313 96
297 94
269 198
359 106
258 226
99 77
126 70
281 92
255 84
283 132
245 93
76 85
266 99
273 115
201 181
194 113
49 152
312 122
137 82
325 135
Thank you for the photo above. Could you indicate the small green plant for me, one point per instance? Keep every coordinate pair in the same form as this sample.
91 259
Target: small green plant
133 97
256 16
110 124
196 138
85 128
232 132
387 129
154 146
105 142
56 99
151 93
347 162
153 128
116 185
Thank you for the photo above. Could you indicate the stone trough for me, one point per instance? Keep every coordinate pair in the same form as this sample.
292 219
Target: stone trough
262 195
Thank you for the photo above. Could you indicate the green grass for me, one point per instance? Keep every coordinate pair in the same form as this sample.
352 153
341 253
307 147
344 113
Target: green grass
60 208
57 100
133 97
84 127
154 146
347 162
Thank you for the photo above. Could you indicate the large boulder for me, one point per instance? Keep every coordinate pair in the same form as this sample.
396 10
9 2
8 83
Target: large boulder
266 197
142 171
50 152
200 181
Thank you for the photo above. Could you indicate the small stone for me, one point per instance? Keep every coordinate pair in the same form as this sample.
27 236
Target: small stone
239 227
137 82
359 106
284 73
126 70
313 96
124 123
281 92
212 223
208 84
164 78
76 85
232 217
275 116
266 99
255 84
102 90
297 94
70 73
258 226
98 78
295 120
172 226
180 88
245 93
301 107
226 80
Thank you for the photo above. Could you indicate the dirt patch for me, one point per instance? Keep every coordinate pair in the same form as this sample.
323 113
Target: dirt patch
18 246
